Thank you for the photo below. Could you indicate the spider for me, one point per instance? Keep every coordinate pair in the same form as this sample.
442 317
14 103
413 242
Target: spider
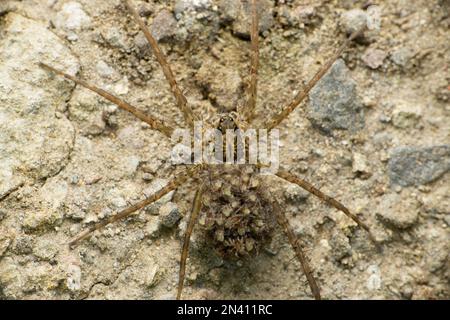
238 215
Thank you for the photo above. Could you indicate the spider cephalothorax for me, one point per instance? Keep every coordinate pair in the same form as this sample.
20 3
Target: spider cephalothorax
226 122
236 212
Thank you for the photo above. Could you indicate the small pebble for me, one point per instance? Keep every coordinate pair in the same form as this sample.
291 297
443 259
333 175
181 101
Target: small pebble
164 25
73 281
145 9
239 13
152 227
142 45
104 69
183 6
353 20
72 17
115 37
402 56
374 280
406 115
418 165
374 58
169 214
335 103
360 166
400 219
340 245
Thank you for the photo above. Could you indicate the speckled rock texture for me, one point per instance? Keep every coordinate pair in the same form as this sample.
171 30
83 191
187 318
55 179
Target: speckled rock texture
374 134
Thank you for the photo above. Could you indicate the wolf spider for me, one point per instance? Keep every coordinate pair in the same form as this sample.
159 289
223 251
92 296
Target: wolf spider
243 223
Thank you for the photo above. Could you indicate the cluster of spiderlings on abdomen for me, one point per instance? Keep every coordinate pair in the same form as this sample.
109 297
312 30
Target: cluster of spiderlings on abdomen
235 218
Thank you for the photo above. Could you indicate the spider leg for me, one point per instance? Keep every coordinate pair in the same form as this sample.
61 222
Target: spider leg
304 92
327 199
197 206
188 114
172 185
295 243
252 95
153 122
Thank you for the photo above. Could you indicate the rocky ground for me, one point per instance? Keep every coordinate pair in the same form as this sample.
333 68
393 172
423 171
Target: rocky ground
374 134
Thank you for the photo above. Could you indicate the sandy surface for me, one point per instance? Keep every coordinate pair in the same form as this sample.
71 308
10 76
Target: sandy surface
69 158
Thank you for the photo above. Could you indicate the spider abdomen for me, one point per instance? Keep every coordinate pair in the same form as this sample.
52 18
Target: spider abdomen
235 218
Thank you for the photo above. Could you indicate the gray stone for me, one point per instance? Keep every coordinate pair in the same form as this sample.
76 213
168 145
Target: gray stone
295 194
198 20
353 20
115 37
340 246
374 58
106 71
164 26
398 211
142 45
72 19
418 165
238 13
402 56
360 166
183 6
169 214
335 103
406 115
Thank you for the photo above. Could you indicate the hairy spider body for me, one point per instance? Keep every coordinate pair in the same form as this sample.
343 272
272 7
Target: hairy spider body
236 212
234 216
